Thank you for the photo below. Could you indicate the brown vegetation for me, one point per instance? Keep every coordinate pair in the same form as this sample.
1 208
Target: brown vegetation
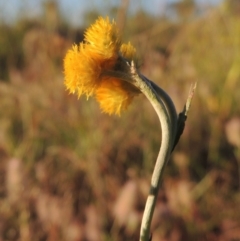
69 172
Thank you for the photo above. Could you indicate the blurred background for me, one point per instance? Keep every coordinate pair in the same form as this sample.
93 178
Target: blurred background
69 172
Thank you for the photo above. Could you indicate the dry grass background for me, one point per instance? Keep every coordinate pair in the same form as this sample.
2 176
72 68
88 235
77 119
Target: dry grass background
69 172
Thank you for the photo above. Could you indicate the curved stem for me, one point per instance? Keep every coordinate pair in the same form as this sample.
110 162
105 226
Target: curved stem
161 93
169 105
145 86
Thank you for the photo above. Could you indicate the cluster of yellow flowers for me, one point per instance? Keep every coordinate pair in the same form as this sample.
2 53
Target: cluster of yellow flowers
87 67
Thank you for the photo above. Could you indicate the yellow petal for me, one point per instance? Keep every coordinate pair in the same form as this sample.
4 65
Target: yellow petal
103 38
81 71
114 95
128 51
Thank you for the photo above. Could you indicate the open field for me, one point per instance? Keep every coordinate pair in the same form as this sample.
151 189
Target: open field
69 172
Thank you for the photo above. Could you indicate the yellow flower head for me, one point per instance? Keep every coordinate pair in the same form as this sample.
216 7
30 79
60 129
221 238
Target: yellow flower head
88 67
114 95
103 39
81 71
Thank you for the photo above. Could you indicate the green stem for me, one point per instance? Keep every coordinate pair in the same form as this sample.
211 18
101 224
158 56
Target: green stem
169 106
146 88
172 126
